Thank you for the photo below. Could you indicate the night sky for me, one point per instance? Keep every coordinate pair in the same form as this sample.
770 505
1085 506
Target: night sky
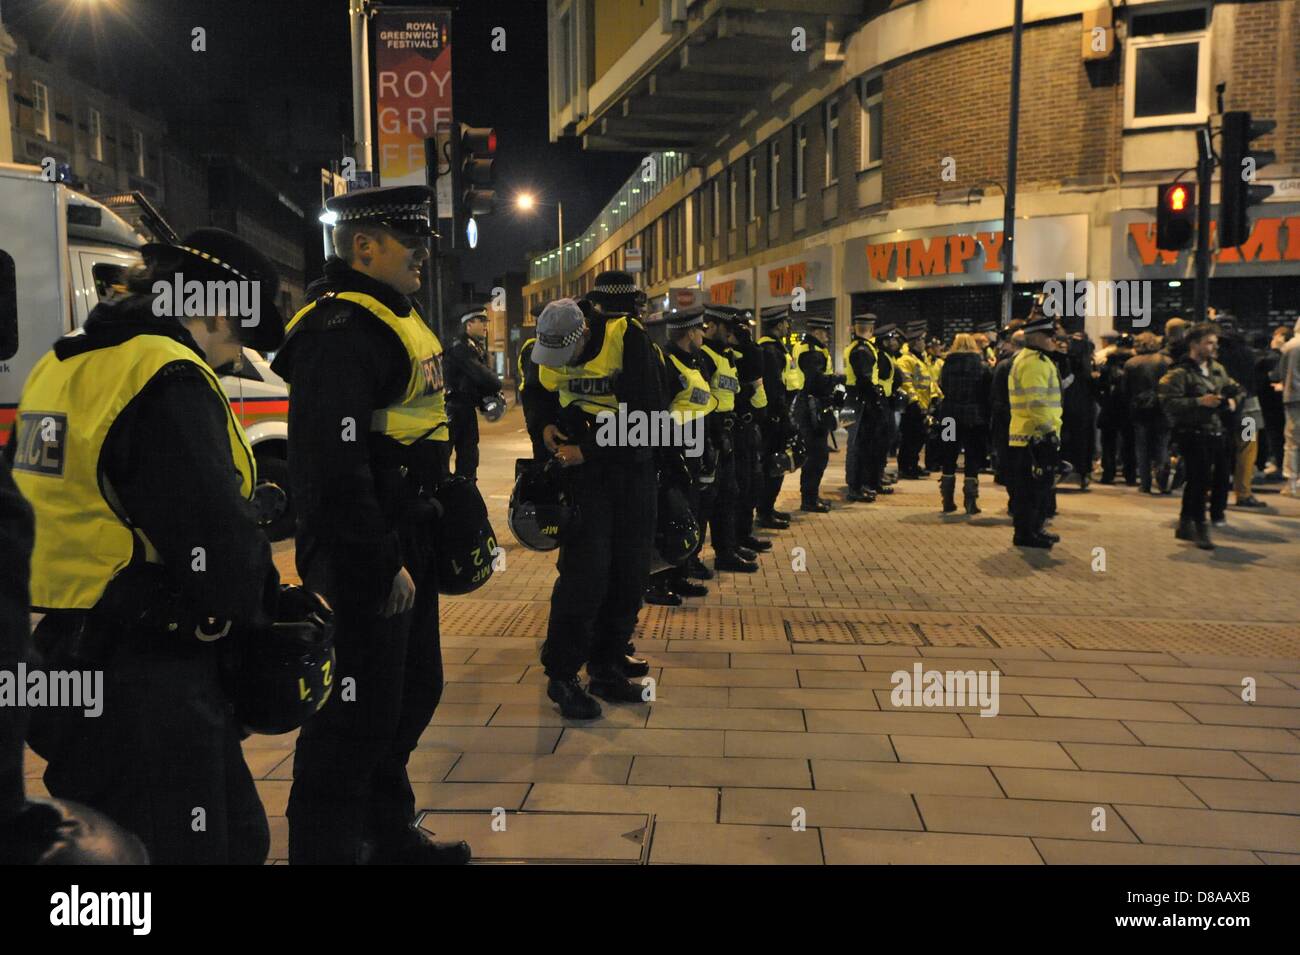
276 78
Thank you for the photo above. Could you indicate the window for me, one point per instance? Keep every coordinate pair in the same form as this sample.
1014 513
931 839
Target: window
563 57
773 174
800 164
1167 68
751 193
96 136
832 129
41 106
138 138
715 194
732 195
871 95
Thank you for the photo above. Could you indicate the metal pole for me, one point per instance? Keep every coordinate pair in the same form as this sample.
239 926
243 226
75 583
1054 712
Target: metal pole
433 283
360 83
1204 181
559 209
1009 200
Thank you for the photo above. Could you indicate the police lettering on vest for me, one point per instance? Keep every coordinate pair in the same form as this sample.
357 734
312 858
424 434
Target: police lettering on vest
725 383
67 411
694 399
591 385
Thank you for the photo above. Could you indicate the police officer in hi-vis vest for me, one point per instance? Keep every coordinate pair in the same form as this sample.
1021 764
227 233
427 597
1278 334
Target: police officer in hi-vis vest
812 410
470 380
751 412
148 550
860 360
888 343
367 436
592 362
781 381
1034 442
720 500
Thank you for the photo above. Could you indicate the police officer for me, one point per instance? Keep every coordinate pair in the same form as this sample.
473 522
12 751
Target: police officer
933 360
148 550
888 343
720 501
690 403
367 443
860 360
592 362
813 410
1034 389
470 380
917 390
751 412
781 381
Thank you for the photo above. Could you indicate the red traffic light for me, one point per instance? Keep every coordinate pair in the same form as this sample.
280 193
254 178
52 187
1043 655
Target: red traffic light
1177 198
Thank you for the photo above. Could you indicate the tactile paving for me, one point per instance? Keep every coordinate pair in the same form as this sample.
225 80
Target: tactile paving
491 618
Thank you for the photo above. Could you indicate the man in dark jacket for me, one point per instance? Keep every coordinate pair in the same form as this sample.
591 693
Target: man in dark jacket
1195 394
1246 426
966 383
1078 405
1115 421
469 381
367 446
1142 374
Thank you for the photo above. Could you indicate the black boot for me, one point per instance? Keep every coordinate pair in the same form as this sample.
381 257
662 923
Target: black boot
635 666
1036 539
421 849
1203 536
744 553
756 545
658 592
610 684
696 570
814 507
947 488
970 490
686 588
575 703
1186 530
771 522
735 564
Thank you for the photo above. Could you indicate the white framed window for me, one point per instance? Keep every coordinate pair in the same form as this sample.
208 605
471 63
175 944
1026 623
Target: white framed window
733 193
773 175
799 167
715 202
1167 67
831 127
96 130
871 90
41 107
751 191
138 139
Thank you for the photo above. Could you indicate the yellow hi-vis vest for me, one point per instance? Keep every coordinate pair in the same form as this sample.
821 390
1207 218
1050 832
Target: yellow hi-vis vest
1034 387
694 400
916 383
851 376
802 347
590 385
887 384
791 376
420 412
68 408
524 350
725 383
936 369
758 392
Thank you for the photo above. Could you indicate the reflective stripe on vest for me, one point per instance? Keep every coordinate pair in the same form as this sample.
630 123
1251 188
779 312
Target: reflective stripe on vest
802 347
791 376
694 400
524 351
725 383
420 412
65 415
590 385
850 376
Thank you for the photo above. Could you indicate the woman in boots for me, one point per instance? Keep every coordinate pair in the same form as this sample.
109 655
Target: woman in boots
966 385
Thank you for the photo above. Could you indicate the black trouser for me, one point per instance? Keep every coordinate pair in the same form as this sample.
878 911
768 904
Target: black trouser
876 454
462 420
1208 462
748 476
1078 441
774 439
814 465
604 565
1030 496
1150 447
1117 448
862 446
911 438
718 500
998 450
164 747
349 774
969 438
853 447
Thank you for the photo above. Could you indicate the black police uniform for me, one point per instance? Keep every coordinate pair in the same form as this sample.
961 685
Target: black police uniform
776 426
865 433
469 381
359 493
750 417
605 562
167 741
886 430
718 502
529 392
814 418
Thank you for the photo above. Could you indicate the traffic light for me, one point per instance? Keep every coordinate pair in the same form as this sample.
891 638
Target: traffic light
1237 190
1175 216
473 148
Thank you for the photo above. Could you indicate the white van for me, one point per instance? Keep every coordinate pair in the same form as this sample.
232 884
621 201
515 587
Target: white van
60 252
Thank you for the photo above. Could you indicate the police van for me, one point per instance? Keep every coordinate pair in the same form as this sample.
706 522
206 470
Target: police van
60 253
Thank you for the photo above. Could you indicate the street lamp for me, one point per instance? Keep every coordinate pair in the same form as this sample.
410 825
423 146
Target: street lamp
526 202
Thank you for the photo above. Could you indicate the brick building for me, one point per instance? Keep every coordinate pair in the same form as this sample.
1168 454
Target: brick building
858 150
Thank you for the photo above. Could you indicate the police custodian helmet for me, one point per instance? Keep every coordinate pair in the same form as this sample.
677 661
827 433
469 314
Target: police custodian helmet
280 676
540 512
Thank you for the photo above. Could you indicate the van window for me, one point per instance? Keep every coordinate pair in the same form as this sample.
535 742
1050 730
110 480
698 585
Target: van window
110 278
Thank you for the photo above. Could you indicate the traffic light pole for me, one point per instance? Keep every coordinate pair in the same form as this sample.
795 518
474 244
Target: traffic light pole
433 287
1204 181
1009 197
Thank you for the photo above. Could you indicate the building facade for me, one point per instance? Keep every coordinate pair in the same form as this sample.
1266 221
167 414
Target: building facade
852 156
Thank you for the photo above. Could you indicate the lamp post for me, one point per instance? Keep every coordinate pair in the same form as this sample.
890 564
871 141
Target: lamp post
525 202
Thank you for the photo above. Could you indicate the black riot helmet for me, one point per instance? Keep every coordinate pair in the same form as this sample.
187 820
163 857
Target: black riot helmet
493 407
797 449
677 535
280 676
541 511
465 542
